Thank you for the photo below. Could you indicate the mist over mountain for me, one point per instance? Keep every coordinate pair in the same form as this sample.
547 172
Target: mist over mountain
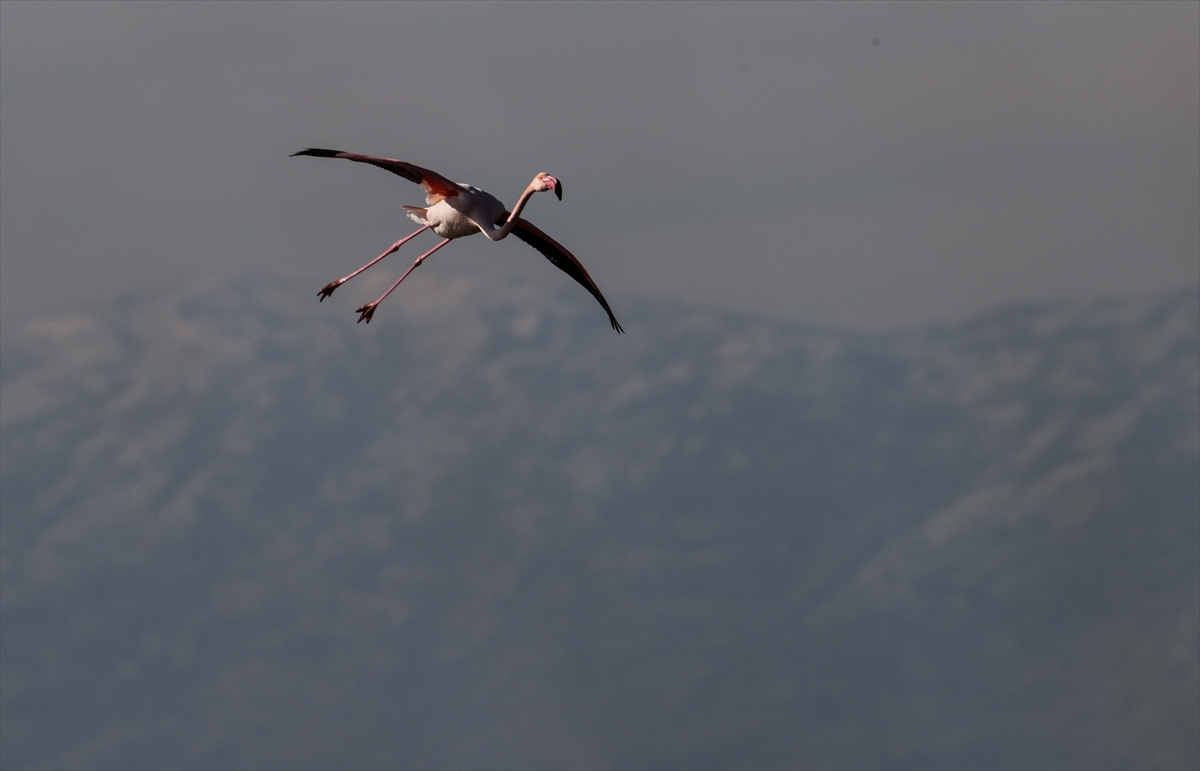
241 531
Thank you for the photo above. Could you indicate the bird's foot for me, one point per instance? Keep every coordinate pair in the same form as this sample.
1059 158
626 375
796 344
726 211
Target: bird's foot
367 312
328 289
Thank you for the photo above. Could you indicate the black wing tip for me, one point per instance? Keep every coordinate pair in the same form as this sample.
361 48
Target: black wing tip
616 324
317 152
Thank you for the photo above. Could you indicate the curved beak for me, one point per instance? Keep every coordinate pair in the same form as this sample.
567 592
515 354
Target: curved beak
557 188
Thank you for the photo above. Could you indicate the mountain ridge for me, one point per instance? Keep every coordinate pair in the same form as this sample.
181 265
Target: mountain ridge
241 530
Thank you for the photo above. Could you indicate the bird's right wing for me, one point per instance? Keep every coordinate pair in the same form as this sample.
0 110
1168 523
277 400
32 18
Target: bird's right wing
436 186
561 259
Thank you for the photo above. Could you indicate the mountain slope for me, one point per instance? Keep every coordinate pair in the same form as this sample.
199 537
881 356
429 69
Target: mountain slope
241 531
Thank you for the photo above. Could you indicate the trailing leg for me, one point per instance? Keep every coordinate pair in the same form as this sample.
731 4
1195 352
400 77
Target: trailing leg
332 285
368 310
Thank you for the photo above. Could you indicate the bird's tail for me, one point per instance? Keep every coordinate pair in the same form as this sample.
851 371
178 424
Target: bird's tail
416 213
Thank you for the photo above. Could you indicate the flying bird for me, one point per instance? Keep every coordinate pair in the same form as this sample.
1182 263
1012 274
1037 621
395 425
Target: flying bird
454 210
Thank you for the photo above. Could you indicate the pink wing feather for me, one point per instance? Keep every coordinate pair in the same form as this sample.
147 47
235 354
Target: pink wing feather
436 186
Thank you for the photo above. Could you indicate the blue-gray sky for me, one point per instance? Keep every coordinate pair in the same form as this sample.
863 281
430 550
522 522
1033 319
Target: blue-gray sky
858 164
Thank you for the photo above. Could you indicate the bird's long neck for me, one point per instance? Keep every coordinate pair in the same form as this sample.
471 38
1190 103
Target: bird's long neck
506 228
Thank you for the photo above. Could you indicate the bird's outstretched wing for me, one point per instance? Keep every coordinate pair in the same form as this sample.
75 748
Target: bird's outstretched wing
435 184
561 258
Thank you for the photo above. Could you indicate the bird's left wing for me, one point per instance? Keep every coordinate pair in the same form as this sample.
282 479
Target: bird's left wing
562 259
435 184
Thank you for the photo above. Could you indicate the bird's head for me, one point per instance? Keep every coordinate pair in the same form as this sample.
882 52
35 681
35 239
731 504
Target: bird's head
543 182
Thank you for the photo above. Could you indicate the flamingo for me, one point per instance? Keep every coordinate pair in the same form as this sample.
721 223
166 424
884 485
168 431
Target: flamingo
455 210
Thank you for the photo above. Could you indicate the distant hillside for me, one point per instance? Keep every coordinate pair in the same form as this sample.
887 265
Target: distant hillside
239 530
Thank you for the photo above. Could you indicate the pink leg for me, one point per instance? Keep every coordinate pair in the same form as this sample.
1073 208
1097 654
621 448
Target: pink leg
332 285
368 310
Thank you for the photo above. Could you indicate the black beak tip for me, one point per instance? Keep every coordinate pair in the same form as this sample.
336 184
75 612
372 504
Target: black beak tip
558 190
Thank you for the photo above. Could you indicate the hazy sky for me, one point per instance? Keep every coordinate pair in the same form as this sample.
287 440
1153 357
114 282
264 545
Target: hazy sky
854 164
